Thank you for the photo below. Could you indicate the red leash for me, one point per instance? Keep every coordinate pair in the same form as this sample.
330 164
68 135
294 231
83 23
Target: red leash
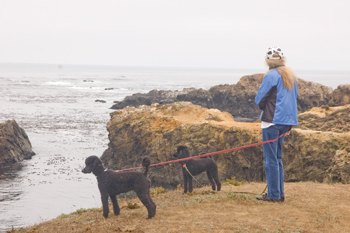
207 154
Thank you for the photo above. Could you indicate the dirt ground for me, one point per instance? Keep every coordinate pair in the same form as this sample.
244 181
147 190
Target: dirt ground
309 207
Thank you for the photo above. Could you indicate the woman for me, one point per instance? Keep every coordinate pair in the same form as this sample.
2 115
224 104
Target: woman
277 98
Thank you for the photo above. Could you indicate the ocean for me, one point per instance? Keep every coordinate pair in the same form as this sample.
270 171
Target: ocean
56 106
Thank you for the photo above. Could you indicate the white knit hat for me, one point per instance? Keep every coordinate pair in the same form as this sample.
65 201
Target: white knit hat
274 53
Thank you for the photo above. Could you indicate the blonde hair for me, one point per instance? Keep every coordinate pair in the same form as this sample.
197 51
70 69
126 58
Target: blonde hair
286 73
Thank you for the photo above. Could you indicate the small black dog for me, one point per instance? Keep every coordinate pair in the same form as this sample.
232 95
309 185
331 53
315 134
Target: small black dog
111 183
195 167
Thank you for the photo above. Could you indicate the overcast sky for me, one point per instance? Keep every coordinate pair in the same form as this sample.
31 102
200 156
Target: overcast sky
314 34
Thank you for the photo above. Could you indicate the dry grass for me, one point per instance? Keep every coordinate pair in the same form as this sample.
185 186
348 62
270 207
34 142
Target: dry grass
232 181
309 207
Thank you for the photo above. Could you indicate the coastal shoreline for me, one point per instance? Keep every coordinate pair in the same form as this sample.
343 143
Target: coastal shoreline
65 124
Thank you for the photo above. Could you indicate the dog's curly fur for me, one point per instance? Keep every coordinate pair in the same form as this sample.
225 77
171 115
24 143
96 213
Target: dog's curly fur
111 183
197 166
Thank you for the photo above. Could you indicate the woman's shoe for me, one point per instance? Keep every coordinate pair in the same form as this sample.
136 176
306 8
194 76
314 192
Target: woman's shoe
263 197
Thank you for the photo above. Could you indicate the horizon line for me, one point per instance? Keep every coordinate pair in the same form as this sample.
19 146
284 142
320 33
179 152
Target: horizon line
61 65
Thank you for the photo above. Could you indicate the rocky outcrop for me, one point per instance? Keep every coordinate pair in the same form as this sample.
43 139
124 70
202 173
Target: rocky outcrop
14 143
156 131
237 99
341 95
326 130
333 119
317 156
312 95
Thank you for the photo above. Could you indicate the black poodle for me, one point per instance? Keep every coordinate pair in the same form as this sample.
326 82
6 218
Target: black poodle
195 167
111 183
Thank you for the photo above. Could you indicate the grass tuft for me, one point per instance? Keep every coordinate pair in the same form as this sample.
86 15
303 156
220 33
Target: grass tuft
232 181
133 205
157 190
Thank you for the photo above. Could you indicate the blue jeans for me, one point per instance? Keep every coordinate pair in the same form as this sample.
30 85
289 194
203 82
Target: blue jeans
273 160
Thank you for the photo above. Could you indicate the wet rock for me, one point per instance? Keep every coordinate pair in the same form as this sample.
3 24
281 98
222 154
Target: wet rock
237 99
14 143
100 101
149 98
157 130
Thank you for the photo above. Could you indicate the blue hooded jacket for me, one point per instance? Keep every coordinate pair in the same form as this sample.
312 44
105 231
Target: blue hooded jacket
278 104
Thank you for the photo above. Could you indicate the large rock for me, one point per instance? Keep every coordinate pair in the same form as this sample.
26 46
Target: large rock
237 99
341 95
321 156
157 130
312 95
14 143
327 132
